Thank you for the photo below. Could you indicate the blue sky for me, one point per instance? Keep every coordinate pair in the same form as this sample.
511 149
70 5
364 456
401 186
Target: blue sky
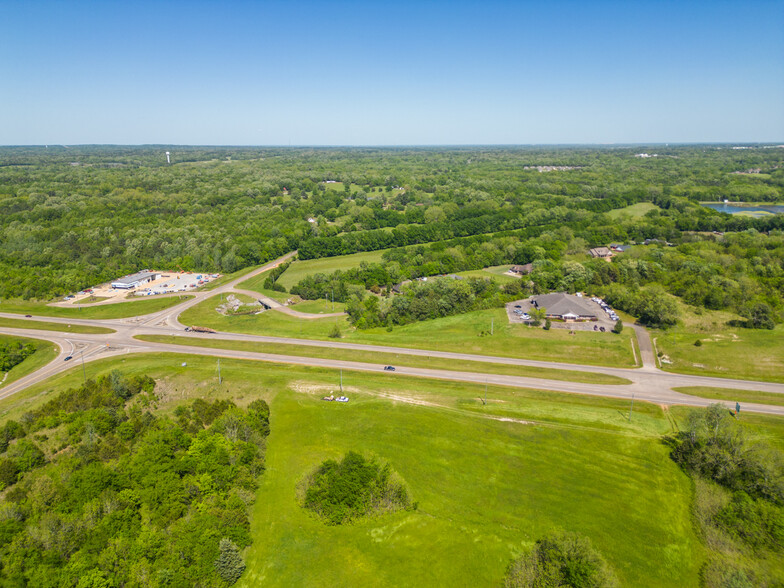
390 73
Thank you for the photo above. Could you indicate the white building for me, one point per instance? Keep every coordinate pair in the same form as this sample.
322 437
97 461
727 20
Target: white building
135 280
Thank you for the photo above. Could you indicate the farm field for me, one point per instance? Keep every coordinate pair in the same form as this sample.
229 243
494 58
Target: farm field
50 326
104 311
45 352
301 268
389 359
509 482
467 333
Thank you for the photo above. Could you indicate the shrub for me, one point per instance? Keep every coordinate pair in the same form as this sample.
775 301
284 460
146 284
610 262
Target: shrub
229 564
698 343
335 332
563 559
618 328
758 523
342 491
547 325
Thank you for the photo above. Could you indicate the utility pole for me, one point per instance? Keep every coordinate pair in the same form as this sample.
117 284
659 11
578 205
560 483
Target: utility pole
220 381
485 400
333 299
341 381
631 408
492 321
84 372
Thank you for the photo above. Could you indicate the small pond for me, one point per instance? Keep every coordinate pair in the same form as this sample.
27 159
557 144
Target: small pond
746 208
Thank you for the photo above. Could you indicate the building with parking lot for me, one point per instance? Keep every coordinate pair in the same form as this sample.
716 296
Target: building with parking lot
135 280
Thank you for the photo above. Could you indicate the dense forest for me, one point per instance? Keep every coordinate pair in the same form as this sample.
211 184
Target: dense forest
99 490
73 217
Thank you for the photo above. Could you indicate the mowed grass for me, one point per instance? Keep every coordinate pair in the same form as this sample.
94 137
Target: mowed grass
733 395
728 352
497 272
50 326
324 265
465 333
486 489
103 311
635 210
318 307
256 284
395 359
44 353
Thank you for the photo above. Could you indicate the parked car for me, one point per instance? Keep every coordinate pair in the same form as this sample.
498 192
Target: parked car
389 368
342 399
518 306
68 357
525 316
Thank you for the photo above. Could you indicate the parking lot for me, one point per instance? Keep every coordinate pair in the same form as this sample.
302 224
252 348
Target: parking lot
606 317
168 283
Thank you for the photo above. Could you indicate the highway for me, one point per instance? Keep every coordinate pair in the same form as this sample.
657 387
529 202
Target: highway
647 383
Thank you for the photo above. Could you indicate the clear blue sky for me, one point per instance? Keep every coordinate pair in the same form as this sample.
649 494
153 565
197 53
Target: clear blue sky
384 73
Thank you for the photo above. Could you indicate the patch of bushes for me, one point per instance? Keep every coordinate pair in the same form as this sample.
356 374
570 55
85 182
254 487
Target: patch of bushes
561 560
714 445
271 283
342 491
13 353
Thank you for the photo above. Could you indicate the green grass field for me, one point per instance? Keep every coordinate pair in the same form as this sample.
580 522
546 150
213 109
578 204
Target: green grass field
732 395
635 210
256 284
486 488
728 352
460 333
390 359
301 268
497 272
104 311
50 326
45 352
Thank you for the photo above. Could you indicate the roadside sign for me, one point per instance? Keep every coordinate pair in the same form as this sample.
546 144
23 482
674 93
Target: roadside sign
737 407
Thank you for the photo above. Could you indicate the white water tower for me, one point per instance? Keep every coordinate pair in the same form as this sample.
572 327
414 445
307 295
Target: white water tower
167 157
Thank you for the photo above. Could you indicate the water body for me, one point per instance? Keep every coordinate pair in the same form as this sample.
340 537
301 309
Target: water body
744 208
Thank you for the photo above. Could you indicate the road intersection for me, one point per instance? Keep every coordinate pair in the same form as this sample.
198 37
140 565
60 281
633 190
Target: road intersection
647 383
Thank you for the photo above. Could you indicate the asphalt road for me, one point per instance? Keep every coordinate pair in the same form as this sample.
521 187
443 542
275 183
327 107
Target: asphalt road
648 383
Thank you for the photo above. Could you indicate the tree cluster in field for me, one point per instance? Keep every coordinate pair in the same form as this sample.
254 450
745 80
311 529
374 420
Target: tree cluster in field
12 353
423 300
739 495
101 491
73 218
271 282
342 491
561 560
742 272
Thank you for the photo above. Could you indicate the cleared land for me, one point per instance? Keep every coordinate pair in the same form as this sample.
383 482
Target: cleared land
467 333
635 210
104 311
728 352
390 359
301 268
49 326
44 353
508 482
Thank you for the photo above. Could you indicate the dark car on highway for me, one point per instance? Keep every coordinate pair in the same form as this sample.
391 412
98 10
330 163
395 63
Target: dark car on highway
68 357
28 316
389 368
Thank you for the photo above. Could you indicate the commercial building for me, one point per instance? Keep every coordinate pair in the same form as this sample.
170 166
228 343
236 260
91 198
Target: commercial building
135 280
566 307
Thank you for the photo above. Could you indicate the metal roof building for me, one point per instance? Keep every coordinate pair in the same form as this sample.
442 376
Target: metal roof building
134 280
